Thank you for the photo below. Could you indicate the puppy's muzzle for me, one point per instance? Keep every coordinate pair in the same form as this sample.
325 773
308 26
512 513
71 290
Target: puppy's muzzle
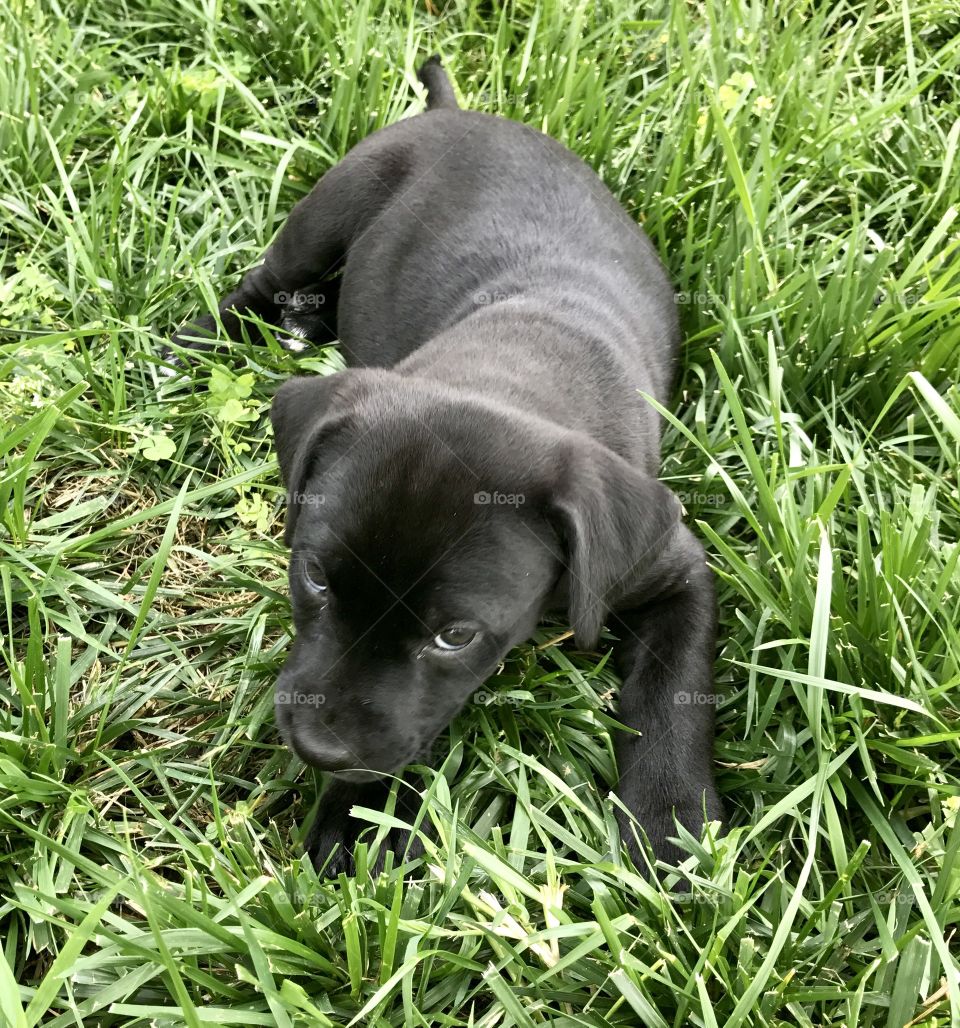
311 731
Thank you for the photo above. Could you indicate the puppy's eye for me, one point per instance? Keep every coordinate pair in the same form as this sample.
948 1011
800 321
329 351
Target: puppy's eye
313 577
454 637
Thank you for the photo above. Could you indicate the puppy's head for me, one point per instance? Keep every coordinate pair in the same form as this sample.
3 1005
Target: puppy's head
429 534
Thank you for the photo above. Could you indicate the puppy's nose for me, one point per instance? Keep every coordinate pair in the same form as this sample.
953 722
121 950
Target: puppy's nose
328 755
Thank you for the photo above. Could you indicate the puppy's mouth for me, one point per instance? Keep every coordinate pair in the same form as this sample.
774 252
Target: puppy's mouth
362 772
358 772
333 758
321 747
338 760
358 776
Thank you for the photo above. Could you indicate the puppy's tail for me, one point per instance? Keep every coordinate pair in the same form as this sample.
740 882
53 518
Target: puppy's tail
440 92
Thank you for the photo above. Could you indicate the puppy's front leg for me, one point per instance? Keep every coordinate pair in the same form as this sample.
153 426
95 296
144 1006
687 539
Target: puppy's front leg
665 657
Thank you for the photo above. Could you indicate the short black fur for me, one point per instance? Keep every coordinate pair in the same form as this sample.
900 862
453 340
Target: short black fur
489 456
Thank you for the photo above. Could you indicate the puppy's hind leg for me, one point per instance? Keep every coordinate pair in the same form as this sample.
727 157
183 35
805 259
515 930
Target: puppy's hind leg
309 316
309 248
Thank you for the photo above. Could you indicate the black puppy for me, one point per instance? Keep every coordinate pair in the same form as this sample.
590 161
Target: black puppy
487 457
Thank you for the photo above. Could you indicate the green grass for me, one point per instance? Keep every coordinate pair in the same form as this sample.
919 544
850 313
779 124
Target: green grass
796 165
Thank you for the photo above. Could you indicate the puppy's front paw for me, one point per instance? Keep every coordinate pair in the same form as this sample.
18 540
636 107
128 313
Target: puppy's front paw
330 841
659 828
334 832
657 818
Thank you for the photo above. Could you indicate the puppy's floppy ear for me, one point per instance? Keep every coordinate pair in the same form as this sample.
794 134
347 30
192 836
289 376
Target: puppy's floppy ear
615 522
306 410
298 405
